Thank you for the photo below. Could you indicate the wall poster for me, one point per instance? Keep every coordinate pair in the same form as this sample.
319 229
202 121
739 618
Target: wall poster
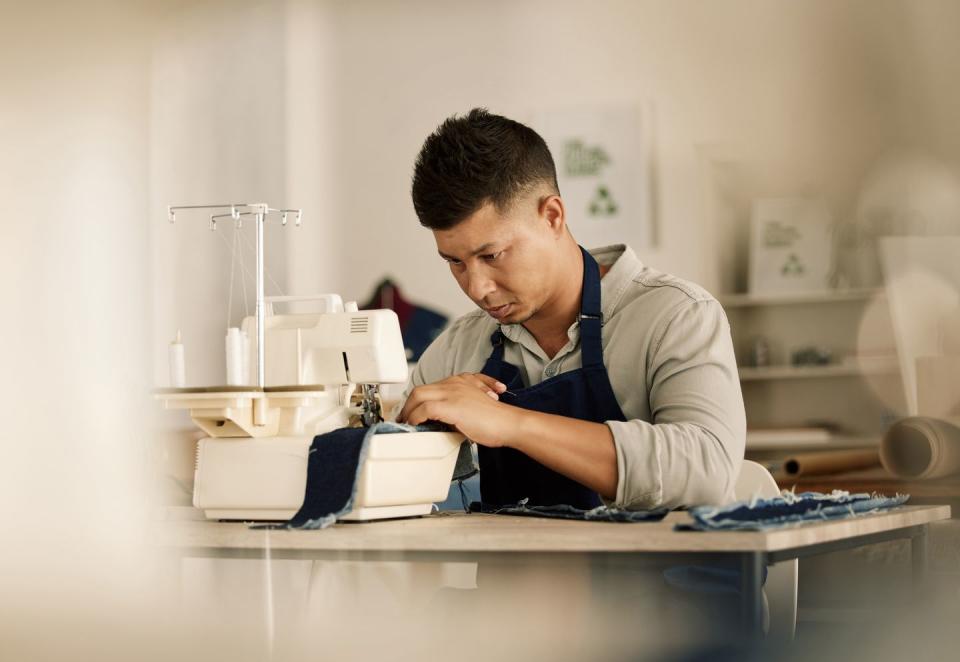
603 164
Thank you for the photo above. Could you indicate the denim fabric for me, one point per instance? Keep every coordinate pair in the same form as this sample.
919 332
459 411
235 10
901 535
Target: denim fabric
333 471
788 508
563 511
462 493
465 487
467 465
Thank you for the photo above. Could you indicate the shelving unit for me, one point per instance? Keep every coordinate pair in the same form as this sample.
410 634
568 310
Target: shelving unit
855 397
830 296
888 366
835 442
858 395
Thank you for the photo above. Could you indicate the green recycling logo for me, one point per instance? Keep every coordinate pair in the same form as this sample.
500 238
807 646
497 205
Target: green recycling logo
793 266
602 203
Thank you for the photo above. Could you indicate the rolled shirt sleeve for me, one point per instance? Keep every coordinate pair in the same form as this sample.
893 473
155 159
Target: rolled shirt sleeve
691 452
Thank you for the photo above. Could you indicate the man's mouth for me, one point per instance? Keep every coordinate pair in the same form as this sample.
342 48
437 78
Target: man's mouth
499 312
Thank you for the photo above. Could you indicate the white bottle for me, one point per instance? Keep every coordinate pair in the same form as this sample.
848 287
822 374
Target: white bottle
234 353
178 370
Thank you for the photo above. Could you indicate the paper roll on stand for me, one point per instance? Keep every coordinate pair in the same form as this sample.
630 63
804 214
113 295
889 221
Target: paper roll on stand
831 462
922 447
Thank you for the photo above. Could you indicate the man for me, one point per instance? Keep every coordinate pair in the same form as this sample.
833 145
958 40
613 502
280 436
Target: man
584 377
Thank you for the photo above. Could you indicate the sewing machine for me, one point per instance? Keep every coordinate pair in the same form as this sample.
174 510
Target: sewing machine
316 372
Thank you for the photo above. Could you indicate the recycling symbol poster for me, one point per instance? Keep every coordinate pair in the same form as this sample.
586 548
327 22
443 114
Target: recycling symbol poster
791 246
602 159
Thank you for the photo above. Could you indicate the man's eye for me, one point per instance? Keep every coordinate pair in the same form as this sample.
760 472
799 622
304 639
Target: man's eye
492 256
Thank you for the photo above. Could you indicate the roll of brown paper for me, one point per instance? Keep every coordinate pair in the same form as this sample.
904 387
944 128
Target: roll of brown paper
829 462
922 447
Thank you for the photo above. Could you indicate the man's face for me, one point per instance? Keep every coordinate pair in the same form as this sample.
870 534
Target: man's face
505 262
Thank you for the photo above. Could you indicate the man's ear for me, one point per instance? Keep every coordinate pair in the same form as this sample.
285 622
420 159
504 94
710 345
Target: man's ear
554 214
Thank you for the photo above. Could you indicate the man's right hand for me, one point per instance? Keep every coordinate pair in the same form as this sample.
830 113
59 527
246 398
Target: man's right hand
482 382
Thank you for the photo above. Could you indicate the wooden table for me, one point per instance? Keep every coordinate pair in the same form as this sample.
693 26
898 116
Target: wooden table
474 537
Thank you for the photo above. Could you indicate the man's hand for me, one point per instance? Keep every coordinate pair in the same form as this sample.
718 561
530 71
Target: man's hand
469 402
581 450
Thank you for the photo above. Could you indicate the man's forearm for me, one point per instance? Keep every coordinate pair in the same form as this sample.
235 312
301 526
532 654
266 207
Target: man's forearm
581 450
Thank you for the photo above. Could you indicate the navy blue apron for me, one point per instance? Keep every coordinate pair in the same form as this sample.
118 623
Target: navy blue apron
506 474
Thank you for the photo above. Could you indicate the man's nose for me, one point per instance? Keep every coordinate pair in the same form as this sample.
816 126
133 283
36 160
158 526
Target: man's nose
479 285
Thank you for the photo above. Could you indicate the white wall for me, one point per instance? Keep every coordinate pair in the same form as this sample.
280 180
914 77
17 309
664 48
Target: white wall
324 105
922 50
111 110
74 286
218 133
313 258
750 98
794 91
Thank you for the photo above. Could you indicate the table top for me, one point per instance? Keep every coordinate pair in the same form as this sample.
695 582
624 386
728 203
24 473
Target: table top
461 532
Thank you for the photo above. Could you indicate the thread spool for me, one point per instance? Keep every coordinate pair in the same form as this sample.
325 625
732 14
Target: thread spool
245 360
234 355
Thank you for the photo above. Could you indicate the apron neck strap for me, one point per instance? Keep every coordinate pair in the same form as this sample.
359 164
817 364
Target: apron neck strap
496 339
590 317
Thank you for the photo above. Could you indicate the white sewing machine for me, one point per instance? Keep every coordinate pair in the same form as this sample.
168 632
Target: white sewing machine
318 372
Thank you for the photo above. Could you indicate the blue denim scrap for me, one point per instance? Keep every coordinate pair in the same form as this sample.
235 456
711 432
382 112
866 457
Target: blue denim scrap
467 465
564 511
762 514
333 472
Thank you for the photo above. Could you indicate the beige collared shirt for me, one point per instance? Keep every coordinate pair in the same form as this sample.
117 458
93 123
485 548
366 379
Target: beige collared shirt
668 352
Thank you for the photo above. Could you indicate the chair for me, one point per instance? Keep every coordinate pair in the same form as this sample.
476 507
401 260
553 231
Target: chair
780 589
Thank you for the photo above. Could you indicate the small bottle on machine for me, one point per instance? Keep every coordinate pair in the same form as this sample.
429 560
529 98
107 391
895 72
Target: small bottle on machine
178 370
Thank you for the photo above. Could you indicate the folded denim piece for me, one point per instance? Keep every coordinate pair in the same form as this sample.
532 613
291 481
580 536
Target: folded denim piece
467 465
333 471
564 511
761 514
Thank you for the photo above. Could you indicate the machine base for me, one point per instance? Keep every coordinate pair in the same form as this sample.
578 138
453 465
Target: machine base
249 515
356 515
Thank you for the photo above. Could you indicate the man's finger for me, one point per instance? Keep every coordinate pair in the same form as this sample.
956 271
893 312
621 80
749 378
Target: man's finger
497 386
418 396
482 385
428 411
481 381
438 390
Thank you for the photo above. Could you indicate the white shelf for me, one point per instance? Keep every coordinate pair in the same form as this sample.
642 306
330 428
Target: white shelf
838 442
828 296
885 366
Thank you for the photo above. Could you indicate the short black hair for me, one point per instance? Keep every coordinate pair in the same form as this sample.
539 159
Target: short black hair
474 159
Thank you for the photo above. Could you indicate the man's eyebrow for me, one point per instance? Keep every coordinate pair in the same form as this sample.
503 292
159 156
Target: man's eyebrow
477 251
